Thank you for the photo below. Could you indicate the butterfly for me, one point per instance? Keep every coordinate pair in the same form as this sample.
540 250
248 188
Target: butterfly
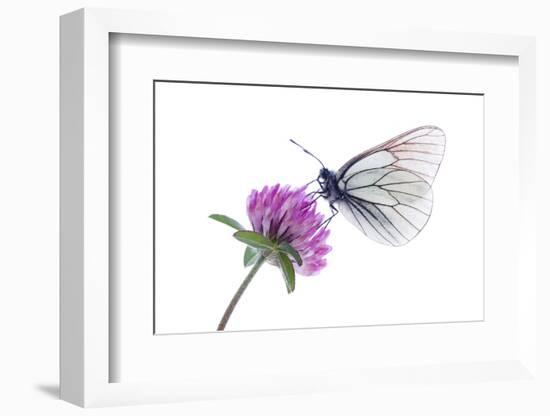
386 191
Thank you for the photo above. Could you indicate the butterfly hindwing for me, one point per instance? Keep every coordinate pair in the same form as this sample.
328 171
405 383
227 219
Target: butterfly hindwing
387 189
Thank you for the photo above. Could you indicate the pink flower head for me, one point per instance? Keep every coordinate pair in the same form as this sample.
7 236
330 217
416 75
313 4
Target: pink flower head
289 215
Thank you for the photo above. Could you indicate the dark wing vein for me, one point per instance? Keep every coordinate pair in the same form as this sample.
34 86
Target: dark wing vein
369 206
353 206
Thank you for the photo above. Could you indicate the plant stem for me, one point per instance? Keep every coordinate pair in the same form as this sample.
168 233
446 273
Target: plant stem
239 293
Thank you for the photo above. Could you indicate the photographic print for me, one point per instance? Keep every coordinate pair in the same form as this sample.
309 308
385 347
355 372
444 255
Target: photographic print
293 207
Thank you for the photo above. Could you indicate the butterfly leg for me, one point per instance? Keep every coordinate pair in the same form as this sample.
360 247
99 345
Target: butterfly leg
310 182
334 211
318 193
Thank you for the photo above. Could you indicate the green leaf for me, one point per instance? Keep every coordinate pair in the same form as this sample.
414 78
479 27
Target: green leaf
288 271
255 240
288 249
224 219
250 256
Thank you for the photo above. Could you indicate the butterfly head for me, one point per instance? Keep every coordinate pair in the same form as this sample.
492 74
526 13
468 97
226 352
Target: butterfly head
326 179
324 175
329 186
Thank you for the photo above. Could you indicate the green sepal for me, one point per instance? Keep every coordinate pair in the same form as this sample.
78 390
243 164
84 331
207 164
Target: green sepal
224 219
256 240
288 249
288 271
250 256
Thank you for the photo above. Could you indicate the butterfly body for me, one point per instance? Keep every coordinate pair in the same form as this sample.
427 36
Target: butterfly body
386 191
328 182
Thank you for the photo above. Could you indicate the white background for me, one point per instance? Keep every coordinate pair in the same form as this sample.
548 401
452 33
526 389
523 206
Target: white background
29 184
216 142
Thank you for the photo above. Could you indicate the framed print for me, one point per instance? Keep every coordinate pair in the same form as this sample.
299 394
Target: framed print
330 116
266 211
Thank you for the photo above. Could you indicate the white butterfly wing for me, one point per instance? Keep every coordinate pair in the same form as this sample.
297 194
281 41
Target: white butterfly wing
387 189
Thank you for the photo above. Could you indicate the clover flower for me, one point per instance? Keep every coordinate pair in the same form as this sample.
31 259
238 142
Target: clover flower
287 231
286 215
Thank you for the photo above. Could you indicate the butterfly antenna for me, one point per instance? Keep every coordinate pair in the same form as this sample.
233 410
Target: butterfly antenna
308 152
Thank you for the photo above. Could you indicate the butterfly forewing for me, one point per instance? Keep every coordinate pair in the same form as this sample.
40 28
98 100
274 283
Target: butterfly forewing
419 151
387 189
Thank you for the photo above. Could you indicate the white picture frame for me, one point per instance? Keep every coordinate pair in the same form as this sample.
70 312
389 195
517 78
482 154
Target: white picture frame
85 223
